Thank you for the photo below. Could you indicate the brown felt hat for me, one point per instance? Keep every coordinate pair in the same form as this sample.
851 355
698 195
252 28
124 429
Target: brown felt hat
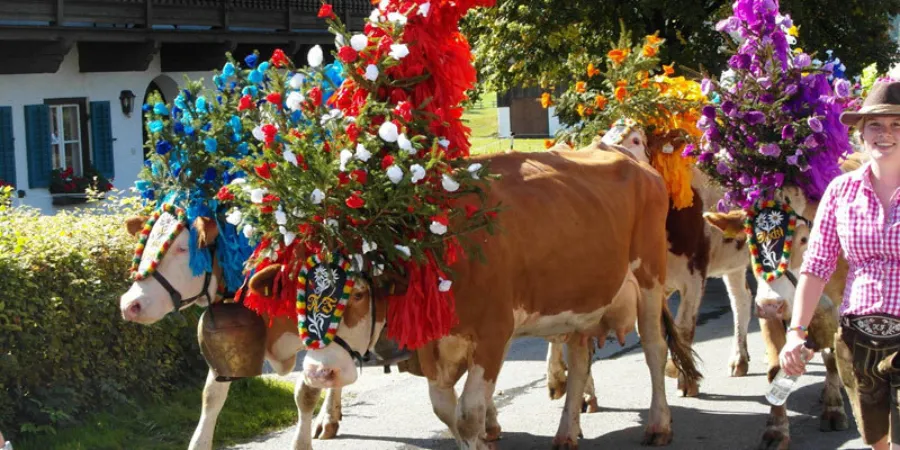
883 100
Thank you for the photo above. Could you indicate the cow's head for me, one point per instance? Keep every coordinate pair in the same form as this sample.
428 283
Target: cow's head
171 283
774 299
630 136
362 321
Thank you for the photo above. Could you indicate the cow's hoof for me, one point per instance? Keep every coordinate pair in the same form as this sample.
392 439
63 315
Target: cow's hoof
657 439
589 406
671 370
834 419
688 389
326 431
739 368
775 440
564 443
557 387
492 434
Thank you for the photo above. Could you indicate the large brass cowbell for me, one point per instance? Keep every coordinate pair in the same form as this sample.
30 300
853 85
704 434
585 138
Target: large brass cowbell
232 340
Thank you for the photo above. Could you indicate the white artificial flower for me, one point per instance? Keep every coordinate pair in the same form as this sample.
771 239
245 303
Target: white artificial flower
332 114
383 4
297 81
289 236
405 144
668 148
256 195
424 8
239 181
375 16
449 184
369 246
403 249
315 56
372 72
248 231
346 156
294 100
388 131
396 18
258 133
377 270
362 154
358 262
474 169
395 174
332 223
417 172
339 40
234 217
437 228
280 217
444 285
444 142
317 196
290 157
359 42
297 212
399 51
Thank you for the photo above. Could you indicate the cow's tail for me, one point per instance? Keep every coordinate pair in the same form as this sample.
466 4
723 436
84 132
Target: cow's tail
683 356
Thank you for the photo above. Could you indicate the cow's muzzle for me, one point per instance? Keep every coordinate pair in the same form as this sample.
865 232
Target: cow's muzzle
771 309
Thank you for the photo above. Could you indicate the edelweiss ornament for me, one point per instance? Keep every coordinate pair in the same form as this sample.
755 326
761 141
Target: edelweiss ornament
399 51
395 174
404 143
294 100
388 132
346 156
315 56
296 81
325 289
371 72
770 229
359 42
362 154
449 184
417 173
316 196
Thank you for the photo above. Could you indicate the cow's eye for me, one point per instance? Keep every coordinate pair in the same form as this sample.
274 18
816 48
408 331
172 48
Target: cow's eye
357 296
180 249
804 240
635 141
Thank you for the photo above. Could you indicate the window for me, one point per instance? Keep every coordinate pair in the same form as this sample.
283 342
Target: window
68 134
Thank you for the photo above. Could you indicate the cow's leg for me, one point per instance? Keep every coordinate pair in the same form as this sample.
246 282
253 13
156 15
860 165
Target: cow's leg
214 395
491 425
578 359
834 418
659 427
556 371
777 434
306 398
741 302
686 321
329 419
590 394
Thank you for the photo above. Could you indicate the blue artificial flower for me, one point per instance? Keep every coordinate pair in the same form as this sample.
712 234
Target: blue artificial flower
219 81
155 169
200 105
250 60
232 85
244 149
206 127
187 117
148 163
296 116
145 108
163 147
189 130
228 69
250 90
142 185
210 174
187 94
210 144
235 138
160 108
178 128
263 67
148 195
176 169
235 123
255 77
180 102
155 126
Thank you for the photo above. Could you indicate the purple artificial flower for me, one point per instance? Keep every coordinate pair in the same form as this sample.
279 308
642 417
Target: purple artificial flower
810 142
739 61
790 90
764 82
722 206
770 149
745 180
706 86
755 117
767 98
787 132
705 157
729 108
728 25
842 87
709 111
722 168
802 61
814 124
688 150
793 159
704 123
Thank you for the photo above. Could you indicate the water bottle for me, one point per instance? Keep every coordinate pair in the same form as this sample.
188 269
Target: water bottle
783 383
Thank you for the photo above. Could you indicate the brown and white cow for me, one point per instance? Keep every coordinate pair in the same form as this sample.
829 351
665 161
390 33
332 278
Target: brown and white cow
147 302
774 301
695 254
578 228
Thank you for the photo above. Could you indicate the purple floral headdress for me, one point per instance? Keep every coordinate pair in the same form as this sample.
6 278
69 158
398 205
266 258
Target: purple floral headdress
773 120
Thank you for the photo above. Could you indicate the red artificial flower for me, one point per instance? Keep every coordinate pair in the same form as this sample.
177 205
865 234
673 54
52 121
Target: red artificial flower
278 58
275 99
384 46
271 198
270 131
263 170
343 178
360 175
304 229
441 219
224 194
470 211
398 95
326 147
347 54
387 161
326 11
352 132
245 103
355 201
404 110
315 96
266 209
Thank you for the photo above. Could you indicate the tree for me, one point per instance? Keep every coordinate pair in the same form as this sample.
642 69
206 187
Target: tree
542 42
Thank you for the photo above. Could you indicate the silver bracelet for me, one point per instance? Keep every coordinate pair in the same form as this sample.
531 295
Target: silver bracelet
8 446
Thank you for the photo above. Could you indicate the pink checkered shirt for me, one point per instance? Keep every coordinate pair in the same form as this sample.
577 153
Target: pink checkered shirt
850 219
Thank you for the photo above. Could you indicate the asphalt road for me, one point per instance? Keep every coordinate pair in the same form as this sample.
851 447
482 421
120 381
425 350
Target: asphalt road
392 411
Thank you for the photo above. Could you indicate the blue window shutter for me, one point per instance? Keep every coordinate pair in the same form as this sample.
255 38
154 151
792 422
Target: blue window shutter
37 141
7 147
102 140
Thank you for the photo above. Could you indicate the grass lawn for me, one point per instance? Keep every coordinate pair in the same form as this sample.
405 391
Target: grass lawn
482 119
254 406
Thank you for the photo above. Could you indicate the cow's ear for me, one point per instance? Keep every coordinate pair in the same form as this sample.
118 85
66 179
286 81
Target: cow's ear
263 282
731 223
134 224
207 231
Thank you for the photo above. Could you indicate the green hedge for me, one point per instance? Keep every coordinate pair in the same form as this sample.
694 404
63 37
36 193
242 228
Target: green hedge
64 348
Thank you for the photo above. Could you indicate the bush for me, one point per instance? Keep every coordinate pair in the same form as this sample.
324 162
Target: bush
64 348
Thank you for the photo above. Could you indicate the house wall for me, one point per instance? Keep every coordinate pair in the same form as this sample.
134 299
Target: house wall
28 89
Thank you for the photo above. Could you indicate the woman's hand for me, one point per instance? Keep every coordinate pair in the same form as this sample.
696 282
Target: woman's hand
794 355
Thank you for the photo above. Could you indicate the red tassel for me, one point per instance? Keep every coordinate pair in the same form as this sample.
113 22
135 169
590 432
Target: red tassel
424 313
281 302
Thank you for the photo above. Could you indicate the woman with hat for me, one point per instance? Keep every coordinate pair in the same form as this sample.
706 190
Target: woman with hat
859 217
